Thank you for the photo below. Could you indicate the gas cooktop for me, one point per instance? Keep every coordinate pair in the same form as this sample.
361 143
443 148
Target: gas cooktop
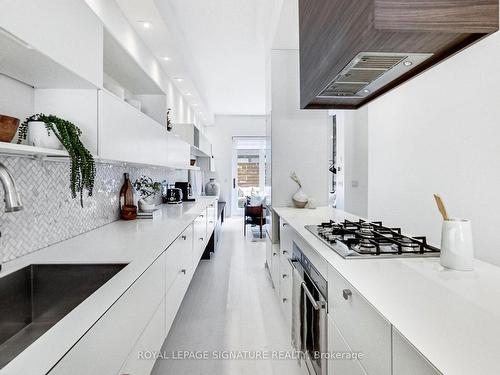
370 239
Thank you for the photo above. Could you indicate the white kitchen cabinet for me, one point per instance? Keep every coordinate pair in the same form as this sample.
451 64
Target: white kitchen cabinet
178 152
200 237
337 344
286 239
106 346
286 285
205 145
126 134
66 31
211 218
149 342
275 267
407 360
361 325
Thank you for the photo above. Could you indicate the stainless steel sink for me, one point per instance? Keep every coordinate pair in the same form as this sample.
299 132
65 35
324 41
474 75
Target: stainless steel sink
35 298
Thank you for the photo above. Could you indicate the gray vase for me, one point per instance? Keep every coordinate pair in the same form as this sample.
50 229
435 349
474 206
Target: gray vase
212 188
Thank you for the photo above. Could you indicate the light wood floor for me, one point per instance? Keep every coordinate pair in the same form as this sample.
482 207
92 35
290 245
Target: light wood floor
230 306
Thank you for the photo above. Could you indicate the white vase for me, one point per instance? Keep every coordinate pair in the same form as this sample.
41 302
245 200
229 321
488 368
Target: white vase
39 136
300 199
212 188
457 249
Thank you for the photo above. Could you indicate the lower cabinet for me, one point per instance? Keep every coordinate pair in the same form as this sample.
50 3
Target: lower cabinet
361 325
337 344
286 288
275 266
200 237
141 360
406 360
106 346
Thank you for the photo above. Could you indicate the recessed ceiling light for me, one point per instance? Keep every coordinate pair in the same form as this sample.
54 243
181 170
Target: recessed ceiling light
194 105
179 79
166 58
188 94
366 91
408 63
146 24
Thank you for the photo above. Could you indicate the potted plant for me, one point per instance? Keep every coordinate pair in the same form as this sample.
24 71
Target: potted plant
67 134
147 189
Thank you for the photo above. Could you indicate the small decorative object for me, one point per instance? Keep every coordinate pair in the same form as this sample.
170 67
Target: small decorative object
82 164
8 128
300 198
147 189
169 121
126 193
40 136
457 249
212 188
129 212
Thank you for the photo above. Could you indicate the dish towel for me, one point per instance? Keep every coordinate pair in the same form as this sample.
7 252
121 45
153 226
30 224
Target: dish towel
297 310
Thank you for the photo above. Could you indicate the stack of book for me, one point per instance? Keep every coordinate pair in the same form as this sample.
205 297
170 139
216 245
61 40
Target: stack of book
149 215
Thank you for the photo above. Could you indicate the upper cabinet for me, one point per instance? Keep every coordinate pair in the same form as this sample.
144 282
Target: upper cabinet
354 51
66 31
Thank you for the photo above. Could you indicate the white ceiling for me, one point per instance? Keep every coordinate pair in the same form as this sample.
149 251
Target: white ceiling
219 46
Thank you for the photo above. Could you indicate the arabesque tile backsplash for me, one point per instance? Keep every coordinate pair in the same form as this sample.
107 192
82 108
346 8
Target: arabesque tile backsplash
50 215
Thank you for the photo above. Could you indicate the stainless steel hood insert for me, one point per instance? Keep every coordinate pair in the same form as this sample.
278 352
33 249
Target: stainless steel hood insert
369 71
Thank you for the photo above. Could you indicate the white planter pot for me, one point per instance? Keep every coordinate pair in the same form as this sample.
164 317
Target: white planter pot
38 136
146 205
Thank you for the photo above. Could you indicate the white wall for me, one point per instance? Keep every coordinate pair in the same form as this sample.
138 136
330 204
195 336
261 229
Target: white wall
440 133
299 137
352 158
221 135
18 100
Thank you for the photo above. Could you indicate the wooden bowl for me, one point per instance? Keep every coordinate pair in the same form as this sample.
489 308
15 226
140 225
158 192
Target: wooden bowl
8 128
129 212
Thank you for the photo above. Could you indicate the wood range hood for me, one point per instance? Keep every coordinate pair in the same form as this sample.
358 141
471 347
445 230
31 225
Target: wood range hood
352 51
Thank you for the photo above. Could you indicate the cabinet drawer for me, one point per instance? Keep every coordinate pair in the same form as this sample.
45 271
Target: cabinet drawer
407 360
286 289
363 328
151 340
337 344
105 347
179 256
200 237
174 298
275 267
211 218
285 238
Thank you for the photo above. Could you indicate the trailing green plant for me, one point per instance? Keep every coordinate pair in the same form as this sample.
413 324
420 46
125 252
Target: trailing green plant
146 187
82 164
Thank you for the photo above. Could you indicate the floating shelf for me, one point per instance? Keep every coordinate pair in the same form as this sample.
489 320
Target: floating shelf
15 149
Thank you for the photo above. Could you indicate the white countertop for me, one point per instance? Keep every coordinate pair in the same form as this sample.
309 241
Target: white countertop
137 243
451 317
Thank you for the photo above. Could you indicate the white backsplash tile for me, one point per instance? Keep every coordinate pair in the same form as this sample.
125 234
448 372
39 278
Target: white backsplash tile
50 215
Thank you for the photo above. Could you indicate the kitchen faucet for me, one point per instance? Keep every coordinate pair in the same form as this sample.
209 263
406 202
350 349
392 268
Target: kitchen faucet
12 198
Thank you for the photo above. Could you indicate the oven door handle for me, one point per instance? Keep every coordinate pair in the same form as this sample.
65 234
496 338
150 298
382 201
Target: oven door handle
317 305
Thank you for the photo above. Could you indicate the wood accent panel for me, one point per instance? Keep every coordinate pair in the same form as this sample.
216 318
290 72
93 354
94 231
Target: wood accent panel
333 32
454 16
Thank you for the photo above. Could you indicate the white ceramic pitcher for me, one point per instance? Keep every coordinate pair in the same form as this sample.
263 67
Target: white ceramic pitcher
457 249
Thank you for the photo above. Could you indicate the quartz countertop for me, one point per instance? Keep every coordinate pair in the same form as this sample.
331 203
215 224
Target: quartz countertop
137 243
451 317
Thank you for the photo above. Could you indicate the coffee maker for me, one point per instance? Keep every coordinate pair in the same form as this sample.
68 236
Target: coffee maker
187 193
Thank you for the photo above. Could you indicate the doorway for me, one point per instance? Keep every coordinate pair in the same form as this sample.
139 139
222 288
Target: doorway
248 172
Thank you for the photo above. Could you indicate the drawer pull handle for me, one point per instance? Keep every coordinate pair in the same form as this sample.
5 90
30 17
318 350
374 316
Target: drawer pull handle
285 252
211 222
183 271
184 238
201 238
285 225
346 293
274 254
284 275
284 300
202 216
